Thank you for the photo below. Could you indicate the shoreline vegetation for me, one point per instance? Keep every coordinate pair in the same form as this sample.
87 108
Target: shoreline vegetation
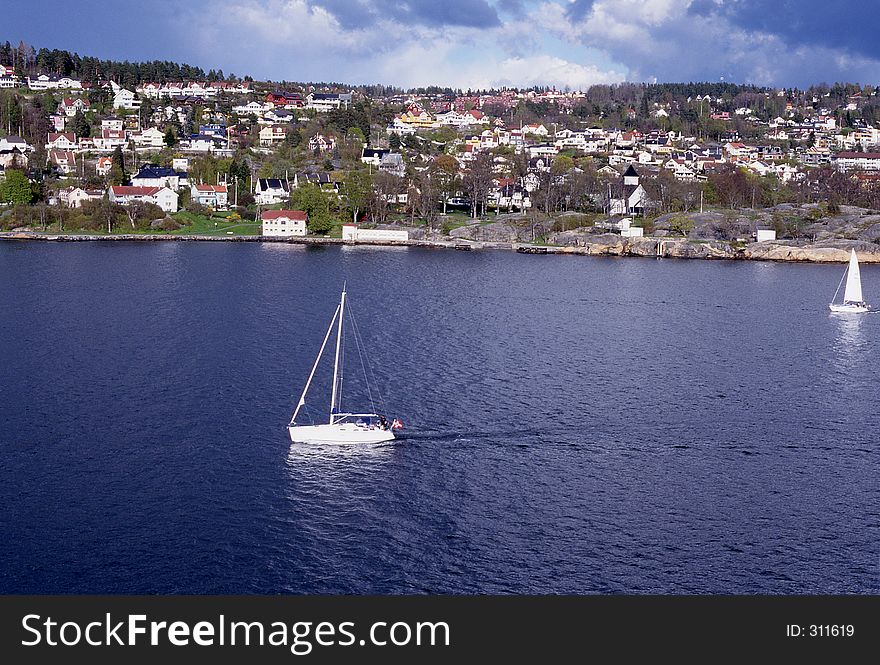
810 233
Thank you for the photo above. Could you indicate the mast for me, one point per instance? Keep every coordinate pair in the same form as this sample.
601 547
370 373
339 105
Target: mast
302 399
336 361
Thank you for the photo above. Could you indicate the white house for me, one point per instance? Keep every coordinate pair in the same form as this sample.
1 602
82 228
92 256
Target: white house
271 190
126 99
214 196
272 134
153 175
280 223
353 233
160 196
103 166
61 141
74 197
634 198
149 139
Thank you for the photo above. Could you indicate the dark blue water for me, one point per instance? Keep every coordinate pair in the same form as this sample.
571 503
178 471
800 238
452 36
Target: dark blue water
574 425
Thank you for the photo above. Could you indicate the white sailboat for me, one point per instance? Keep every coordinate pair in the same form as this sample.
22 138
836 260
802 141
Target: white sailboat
852 294
342 427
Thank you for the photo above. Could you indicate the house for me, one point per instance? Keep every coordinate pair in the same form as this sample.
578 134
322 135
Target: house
633 199
213 196
393 163
116 124
63 160
271 190
285 99
102 168
323 101
535 129
275 116
108 141
373 156
160 196
53 82
70 106
151 138
74 197
251 108
281 223
322 180
61 141
126 99
8 79
272 134
856 161
322 143
353 233
10 142
13 158
153 175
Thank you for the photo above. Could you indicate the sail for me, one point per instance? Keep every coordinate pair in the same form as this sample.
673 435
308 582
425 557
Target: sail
853 291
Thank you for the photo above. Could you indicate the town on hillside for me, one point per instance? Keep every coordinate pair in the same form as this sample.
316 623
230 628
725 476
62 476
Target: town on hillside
106 147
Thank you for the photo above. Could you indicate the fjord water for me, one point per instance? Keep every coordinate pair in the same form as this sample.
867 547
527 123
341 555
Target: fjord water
573 425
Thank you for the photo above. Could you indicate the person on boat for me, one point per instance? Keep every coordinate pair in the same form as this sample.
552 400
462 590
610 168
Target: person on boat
383 422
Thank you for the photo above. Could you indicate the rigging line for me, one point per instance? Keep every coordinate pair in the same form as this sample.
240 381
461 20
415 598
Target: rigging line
369 366
341 374
845 273
358 344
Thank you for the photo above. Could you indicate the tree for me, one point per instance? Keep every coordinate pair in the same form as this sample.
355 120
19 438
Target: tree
477 181
170 137
80 125
316 203
16 188
444 172
118 175
356 188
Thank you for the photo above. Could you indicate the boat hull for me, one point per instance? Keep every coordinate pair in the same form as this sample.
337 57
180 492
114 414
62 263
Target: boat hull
343 433
850 308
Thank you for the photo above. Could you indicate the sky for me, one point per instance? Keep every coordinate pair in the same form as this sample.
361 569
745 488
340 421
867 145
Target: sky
473 43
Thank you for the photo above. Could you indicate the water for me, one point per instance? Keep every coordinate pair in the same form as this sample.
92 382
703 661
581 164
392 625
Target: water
573 425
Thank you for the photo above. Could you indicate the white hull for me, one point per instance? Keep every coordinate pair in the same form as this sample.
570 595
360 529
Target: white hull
850 308
338 433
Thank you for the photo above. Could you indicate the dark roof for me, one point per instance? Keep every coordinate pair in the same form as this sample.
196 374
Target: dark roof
271 183
630 172
375 152
154 171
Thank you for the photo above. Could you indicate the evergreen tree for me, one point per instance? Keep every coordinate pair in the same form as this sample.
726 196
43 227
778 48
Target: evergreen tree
170 137
118 175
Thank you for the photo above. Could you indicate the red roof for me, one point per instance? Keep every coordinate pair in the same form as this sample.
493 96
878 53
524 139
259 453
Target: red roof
211 188
126 190
857 155
294 215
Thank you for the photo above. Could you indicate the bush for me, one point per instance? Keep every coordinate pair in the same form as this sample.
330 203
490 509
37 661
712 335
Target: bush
196 208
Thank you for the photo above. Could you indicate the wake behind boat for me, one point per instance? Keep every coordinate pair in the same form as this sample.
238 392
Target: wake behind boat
342 427
852 294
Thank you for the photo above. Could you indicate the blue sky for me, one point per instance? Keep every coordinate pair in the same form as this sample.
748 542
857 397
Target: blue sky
474 43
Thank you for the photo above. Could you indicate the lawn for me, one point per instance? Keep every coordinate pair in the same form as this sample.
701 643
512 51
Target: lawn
201 225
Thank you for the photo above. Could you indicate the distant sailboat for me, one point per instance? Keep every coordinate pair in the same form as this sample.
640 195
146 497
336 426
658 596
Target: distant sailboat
852 294
342 427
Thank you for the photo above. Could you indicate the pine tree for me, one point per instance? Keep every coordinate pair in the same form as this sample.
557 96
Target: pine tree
118 176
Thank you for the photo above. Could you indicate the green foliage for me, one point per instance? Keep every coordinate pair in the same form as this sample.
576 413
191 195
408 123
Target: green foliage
316 203
118 175
16 188
170 137
356 189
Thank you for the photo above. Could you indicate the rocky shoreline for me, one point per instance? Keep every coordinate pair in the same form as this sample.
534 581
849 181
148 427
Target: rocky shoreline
607 244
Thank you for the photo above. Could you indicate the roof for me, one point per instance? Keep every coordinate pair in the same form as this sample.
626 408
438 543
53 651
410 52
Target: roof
126 190
858 155
150 171
630 172
271 183
294 215
211 188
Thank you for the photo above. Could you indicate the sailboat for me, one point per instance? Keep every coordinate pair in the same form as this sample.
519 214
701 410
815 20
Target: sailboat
852 294
342 427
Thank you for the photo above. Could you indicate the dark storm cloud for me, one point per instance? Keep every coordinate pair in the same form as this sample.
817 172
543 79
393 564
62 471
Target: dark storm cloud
838 24
353 14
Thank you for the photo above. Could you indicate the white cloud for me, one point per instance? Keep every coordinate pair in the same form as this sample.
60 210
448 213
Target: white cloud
293 40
